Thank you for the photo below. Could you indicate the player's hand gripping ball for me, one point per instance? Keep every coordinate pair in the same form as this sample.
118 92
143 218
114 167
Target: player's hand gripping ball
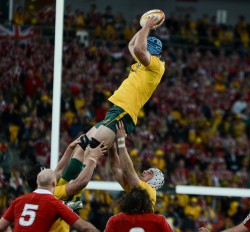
156 13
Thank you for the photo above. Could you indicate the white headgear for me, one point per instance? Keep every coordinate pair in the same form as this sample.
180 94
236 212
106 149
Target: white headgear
157 180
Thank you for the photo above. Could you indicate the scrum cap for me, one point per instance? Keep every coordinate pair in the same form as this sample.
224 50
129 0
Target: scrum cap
158 179
154 46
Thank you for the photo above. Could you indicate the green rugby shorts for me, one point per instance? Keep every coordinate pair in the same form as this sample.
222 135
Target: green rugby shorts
113 116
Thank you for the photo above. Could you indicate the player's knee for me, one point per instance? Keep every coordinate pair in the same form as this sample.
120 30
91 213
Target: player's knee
93 143
84 142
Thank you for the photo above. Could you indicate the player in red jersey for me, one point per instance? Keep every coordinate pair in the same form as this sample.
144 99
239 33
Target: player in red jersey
137 214
242 227
37 211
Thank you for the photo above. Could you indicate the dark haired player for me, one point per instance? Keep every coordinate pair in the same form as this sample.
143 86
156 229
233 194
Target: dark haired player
135 90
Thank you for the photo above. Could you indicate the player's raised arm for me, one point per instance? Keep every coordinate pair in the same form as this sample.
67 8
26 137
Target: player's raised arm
140 46
62 164
126 163
84 177
115 165
132 44
239 228
85 226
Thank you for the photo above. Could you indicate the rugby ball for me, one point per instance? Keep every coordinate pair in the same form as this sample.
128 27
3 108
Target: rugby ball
157 13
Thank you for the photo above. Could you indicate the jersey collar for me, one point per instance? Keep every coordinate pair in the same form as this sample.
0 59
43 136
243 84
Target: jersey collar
43 191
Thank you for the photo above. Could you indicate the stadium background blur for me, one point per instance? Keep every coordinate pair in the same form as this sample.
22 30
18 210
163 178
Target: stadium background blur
195 128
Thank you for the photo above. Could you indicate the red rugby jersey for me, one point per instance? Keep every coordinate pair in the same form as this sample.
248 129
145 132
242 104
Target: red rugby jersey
148 222
37 211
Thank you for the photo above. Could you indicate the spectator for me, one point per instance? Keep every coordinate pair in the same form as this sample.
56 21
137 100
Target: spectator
173 218
79 19
69 18
93 18
6 159
16 183
2 177
193 208
32 83
188 224
19 16
108 17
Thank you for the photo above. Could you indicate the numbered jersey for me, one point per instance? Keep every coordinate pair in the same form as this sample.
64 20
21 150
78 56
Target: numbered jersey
145 222
37 211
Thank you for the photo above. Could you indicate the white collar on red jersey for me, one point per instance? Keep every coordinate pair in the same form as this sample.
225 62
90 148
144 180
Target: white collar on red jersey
43 191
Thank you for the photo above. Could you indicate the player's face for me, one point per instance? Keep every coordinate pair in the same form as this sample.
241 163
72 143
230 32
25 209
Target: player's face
147 175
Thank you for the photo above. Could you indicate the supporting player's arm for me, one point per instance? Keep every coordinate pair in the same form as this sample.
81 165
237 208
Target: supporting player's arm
82 225
4 225
84 177
140 45
114 161
126 163
62 164
239 228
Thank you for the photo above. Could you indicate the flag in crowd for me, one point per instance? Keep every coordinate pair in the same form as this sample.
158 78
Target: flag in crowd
16 33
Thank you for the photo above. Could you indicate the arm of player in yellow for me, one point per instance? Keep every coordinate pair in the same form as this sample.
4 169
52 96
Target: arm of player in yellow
128 171
84 177
62 164
115 166
140 46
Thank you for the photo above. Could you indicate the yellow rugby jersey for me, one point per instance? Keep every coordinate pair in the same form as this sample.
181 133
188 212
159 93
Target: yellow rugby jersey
151 191
138 87
60 225
60 193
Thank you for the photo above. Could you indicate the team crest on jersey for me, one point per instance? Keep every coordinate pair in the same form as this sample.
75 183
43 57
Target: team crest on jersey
138 65
106 121
135 67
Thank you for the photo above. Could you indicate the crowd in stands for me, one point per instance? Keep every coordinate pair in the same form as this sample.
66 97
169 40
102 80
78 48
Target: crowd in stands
109 25
195 128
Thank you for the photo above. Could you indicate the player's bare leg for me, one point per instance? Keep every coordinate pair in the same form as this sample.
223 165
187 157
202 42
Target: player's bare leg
103 133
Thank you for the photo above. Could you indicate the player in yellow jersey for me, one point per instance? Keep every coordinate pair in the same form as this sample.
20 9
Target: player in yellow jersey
124 172
135 90
128 99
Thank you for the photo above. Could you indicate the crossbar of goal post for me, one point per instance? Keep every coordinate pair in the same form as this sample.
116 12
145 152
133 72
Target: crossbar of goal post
179 189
